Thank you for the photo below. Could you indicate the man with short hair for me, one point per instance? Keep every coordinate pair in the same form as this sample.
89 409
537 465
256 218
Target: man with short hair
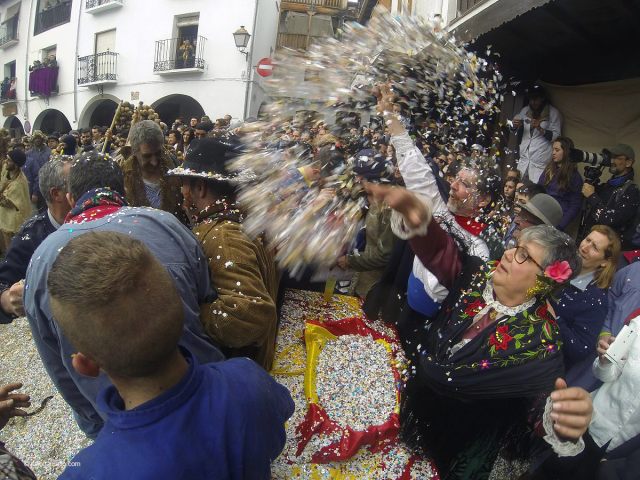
243 319
13 267
193 122
37 156
615 202
86 140
172 139
203 129
96 185
539 209
145 170
52 142
96 135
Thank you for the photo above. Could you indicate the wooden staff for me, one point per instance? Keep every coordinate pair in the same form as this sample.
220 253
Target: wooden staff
109 135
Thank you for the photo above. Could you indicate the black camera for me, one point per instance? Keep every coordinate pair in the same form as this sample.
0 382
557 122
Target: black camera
592 175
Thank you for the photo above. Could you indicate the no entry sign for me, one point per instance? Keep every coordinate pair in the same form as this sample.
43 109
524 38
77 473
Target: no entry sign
264 67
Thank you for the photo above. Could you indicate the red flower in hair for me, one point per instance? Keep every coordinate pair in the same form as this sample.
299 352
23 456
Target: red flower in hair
559 271
501 338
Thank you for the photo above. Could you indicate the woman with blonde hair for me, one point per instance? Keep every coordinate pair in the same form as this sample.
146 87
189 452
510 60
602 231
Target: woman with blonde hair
582 306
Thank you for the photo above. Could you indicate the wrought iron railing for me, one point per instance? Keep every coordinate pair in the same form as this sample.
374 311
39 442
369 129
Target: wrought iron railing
97 3
52 17
7 89
99 67
9 30
179 53
465 5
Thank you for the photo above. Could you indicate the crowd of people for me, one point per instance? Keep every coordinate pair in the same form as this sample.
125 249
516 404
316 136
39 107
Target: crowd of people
155 314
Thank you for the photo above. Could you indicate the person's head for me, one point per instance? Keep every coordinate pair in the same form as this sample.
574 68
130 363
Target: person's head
560 166
509 189
600 252
538 247
91 170
37 139
193 122
188 135
441 159
70 144
95 133
514 174
52 142
525 190
537 98
16 159
147 141
227 119
622 158
539 209
202 129
473 188
53 178
86 138
172 137
117 305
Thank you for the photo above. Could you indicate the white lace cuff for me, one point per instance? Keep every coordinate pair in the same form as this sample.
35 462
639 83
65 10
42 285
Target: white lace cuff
402 231
563 448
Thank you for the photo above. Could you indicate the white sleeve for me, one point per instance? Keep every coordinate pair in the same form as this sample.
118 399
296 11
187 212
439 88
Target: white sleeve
606 371
401 230
555 123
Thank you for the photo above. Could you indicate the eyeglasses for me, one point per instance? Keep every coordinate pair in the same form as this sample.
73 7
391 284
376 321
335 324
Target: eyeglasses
521 255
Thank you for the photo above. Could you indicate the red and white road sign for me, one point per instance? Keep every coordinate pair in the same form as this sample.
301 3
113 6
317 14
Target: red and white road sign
265 67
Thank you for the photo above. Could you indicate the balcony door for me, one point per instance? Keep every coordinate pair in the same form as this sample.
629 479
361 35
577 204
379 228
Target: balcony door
104 65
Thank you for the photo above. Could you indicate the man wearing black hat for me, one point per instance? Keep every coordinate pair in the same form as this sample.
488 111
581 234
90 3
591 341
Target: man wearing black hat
540 124
616 201
15 204
243 319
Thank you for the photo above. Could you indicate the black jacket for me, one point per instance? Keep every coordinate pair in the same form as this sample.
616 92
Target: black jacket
13 266
614 206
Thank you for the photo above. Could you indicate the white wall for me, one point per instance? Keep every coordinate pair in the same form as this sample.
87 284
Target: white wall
220 89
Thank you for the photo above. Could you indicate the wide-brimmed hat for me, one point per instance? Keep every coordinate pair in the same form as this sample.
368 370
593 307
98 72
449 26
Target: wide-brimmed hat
545 208
18 157
207 158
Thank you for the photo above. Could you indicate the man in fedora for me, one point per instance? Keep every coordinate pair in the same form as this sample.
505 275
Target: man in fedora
539 209
243 319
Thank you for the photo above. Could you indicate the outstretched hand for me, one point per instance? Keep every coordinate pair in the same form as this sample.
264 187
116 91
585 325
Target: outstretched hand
414 211
572 410
11 403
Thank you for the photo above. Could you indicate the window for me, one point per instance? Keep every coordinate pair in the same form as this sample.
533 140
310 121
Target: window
49 53
51 13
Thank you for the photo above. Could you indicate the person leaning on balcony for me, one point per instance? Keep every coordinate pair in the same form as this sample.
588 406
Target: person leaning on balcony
145 169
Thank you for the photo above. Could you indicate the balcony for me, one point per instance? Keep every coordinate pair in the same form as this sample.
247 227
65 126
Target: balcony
97 6
8 90
52 16
464 6
9 32
98 69
304 5
295 41
179 55
43 81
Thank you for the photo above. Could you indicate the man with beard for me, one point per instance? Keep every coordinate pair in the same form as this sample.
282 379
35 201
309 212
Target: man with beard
243 318
540 124
615 202
86 140
144 171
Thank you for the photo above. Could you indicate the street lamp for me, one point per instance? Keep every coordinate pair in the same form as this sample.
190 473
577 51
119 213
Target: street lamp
241 37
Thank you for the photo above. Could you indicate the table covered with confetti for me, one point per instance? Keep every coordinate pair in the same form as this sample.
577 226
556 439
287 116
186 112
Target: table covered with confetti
343 373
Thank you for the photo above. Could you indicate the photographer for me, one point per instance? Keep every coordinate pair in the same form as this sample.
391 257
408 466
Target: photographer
615 202
540 124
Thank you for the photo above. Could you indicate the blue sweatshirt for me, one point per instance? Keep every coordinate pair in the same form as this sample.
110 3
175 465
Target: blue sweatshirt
224 420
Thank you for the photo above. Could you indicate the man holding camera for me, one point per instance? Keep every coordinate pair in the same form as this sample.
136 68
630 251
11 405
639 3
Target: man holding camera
615 202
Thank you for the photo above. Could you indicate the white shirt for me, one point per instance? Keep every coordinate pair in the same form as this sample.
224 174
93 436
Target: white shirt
615 404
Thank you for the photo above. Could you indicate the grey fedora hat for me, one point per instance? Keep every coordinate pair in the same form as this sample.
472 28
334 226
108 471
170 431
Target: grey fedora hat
544 207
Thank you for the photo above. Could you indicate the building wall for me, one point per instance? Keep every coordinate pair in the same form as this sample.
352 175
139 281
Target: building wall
220 89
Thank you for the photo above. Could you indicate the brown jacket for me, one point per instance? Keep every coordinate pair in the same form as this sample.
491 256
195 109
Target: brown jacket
243 319
169 187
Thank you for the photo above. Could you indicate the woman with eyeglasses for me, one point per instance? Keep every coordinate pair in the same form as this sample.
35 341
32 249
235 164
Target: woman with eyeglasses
485 365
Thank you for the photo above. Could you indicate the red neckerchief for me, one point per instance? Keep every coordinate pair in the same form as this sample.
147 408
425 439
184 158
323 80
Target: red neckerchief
94 213
470 225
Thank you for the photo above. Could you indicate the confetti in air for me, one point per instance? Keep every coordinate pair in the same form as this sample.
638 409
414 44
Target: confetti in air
312 210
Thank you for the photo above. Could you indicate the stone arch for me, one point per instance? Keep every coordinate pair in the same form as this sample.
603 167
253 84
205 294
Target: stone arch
51 120
99 111
14 125
177 105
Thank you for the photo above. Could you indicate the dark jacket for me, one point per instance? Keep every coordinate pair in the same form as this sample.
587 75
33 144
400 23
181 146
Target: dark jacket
570 200
13 266
614 206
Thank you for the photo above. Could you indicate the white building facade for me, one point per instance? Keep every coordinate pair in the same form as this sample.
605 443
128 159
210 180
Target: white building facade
178 57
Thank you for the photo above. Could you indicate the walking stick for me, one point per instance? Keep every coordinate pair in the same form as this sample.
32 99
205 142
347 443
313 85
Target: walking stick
109 135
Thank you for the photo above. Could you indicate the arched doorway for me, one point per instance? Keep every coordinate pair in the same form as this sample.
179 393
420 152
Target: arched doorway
52 120
173 106
103 113
14 125
98 111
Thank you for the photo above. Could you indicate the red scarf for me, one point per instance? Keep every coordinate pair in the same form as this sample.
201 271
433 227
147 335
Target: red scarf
470 225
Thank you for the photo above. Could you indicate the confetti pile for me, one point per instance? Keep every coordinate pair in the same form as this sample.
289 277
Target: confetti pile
355 383
432 75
